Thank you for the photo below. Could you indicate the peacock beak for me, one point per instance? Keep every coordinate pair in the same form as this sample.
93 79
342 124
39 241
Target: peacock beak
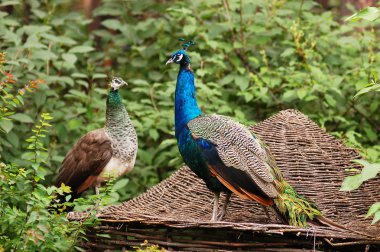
169 61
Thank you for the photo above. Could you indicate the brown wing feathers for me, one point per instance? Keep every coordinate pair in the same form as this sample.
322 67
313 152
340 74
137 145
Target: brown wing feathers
85 161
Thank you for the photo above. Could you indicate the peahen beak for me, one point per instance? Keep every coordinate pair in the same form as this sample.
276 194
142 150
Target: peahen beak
117 82
169 61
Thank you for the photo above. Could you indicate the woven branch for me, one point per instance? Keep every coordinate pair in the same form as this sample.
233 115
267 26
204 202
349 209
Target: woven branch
311 160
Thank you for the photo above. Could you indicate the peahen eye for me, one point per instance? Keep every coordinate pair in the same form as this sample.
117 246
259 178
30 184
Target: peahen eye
178 57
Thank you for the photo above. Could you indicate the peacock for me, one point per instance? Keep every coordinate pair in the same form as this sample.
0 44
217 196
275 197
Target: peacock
230 158
103 153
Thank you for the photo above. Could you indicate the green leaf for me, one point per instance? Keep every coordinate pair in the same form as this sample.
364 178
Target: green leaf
189 29
376 218
351 183
44 55
99 76
242 82
289 95
330 100
120 184
69 58
81 49
74 124
368 89
373 209
369 13
301 93
370 170
58 39
154 134
10 2
33 29
112 24
287 52
6 125
24 118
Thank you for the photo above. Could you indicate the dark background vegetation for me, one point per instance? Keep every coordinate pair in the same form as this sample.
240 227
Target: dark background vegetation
252 59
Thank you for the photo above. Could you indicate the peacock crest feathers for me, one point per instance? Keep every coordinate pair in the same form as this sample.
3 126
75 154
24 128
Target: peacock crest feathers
180 56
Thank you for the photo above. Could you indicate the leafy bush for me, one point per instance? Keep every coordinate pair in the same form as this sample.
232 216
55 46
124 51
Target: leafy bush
369 170
31 218
253 59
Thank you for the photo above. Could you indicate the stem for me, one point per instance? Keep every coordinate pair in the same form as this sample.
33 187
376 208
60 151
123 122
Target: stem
48 61
151 93
242 37
300 9
37 134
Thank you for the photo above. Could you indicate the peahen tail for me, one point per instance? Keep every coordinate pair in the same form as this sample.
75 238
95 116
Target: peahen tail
294 207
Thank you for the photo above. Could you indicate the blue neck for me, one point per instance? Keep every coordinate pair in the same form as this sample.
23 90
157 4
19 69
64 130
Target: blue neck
186 107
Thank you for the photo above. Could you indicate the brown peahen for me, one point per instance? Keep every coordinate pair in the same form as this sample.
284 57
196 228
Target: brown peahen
103 153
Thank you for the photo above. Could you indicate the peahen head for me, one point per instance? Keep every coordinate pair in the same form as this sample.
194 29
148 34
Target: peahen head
117 82
180 56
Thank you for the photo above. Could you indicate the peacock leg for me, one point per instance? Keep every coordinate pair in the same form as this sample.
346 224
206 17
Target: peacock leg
224 209
216 204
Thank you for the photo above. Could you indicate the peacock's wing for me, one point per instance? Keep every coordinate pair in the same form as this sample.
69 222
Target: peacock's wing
236 157
85 161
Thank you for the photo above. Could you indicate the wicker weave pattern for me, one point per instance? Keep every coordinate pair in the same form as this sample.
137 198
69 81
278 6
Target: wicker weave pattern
311 161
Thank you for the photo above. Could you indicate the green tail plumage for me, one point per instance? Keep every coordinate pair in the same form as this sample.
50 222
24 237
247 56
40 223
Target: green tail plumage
295 208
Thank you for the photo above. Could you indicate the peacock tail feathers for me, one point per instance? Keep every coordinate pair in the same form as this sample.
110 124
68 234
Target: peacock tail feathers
294 207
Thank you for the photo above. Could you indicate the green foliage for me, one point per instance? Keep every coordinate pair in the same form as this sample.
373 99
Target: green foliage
369 13
372 87
145 247
30 220
369 171
251 59
26 222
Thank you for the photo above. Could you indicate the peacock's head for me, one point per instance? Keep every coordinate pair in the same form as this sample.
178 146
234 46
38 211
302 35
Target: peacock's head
117 82
180 56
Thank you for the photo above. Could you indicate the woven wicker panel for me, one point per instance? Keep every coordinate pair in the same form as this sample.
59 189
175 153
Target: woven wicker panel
311 160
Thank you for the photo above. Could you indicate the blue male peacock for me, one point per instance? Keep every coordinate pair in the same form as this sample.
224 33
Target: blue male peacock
228 156
103 153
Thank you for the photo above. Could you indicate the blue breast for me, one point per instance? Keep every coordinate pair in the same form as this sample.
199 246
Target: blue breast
186 109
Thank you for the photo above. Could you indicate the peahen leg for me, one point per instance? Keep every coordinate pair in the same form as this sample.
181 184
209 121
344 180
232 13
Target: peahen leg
224 209
97 193
215 209
97 189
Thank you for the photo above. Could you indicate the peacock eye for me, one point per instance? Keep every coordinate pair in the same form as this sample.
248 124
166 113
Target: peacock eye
178 57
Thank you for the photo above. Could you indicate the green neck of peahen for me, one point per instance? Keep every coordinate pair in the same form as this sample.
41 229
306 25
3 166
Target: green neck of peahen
117 119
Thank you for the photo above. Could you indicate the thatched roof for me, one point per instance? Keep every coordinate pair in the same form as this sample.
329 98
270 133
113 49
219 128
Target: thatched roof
176 212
